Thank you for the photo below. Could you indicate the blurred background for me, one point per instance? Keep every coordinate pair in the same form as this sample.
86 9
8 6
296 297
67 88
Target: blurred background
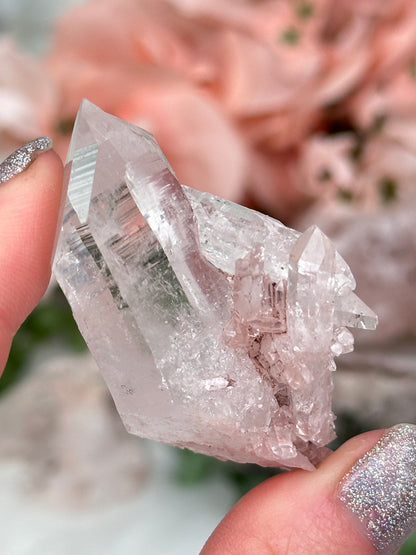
304 110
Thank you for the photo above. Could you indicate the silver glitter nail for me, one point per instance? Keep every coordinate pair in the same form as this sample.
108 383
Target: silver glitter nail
380 489
21 158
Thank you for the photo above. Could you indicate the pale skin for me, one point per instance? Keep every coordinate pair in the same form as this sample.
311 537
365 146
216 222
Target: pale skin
292 513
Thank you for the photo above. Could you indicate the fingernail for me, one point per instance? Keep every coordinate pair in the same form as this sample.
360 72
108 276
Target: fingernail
380 489
21 158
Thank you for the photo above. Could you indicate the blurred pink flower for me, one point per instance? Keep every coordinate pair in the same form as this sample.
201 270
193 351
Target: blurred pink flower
275 102
326 164
28 100
391 98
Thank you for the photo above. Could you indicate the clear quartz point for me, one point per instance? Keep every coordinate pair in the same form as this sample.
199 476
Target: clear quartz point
214 326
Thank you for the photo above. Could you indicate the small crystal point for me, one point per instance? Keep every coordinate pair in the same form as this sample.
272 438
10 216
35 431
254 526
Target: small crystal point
344 280
313 253
214 326
351 311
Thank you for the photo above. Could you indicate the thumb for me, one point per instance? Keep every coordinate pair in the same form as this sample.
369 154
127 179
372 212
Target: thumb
361 500
29 207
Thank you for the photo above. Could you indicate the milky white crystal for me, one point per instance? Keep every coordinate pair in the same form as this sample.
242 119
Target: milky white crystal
214 326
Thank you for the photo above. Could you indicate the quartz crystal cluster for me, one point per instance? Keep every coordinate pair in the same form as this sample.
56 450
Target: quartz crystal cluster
215 327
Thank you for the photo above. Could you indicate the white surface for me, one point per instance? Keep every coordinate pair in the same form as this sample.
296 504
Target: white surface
164 519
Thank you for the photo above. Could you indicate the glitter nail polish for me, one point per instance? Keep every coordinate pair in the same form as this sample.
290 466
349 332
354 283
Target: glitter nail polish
21 158
380 489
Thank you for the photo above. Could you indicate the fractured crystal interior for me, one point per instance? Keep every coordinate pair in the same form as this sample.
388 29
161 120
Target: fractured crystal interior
214 326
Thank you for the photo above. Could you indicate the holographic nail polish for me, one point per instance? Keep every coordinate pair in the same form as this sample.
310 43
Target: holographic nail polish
380 489
21 158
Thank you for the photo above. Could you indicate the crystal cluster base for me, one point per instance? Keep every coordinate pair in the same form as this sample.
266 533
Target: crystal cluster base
214 326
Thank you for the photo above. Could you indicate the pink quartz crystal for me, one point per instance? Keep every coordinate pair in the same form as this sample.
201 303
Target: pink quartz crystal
214 326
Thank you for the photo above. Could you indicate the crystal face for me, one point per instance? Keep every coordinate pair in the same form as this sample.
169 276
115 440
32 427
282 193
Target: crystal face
215 327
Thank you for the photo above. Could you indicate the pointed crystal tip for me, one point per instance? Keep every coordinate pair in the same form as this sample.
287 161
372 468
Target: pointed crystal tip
352 312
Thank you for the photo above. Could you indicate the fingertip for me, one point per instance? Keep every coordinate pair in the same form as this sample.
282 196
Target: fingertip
331 470
41 182
51 163
377 492
29 208
297 512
